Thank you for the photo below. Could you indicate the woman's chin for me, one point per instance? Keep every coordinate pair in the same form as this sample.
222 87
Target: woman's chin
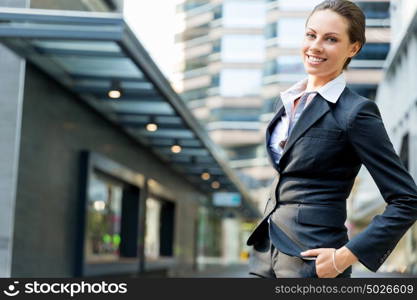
314 71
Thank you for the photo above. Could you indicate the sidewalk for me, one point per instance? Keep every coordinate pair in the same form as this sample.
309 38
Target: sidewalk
240 270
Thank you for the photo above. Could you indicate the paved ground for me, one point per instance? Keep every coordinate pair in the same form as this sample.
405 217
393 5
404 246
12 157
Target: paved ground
241 271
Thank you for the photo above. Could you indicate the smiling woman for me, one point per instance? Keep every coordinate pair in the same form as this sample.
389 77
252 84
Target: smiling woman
317 141
329 46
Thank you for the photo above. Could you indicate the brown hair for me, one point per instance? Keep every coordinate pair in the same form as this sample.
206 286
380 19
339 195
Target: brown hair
353 14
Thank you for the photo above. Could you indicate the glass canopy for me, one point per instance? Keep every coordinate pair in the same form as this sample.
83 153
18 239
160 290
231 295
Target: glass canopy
98 57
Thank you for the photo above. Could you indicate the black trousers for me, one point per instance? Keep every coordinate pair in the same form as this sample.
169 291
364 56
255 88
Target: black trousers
266 261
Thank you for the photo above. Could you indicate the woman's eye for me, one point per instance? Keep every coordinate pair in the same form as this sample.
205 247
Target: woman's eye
333 40
310 35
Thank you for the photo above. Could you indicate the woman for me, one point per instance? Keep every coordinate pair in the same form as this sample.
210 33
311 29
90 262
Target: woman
319 138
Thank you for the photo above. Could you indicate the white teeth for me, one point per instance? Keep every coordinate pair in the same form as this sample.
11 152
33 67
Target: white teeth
315 59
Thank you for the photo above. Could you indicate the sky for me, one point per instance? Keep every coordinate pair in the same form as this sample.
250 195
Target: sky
153 21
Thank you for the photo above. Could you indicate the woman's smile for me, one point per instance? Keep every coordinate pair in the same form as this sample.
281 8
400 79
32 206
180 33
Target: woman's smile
315 60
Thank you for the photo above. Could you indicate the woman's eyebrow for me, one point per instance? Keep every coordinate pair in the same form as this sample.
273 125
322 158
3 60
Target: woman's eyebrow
328 33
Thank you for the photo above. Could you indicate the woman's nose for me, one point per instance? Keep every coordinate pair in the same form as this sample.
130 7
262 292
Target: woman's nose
316 46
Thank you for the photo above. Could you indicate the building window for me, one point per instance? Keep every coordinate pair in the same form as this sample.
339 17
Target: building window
190 5
368 91
237 13
218 12
217 46
243 48
286 64
290 32
196 94
271 30
289 64
374 51
375 10
291 5
270 67
240 82
108 224
269 105
112 217
159 236
104 220
234 114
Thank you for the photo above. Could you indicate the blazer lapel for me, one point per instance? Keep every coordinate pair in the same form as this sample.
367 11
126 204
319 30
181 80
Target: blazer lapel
314 111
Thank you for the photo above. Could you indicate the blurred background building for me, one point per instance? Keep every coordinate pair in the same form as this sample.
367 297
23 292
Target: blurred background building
220 78
397 100
95 130
105 171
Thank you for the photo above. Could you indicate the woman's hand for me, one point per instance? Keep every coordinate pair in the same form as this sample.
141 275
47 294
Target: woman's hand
324 261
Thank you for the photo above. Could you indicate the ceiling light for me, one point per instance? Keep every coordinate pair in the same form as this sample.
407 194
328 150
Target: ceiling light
205 176
151 127
215 184
176 148
114 94
115 91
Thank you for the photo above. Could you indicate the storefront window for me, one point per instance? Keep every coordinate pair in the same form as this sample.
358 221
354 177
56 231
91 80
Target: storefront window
103 220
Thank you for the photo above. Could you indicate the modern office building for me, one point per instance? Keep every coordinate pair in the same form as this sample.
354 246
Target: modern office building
104 170
397 100
220 77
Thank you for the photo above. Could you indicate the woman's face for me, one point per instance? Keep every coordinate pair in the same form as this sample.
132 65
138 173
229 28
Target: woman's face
326 45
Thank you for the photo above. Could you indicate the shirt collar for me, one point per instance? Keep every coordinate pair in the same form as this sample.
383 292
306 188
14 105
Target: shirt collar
331 91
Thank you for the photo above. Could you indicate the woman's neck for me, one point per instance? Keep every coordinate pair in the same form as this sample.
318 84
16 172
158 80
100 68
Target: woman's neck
316 82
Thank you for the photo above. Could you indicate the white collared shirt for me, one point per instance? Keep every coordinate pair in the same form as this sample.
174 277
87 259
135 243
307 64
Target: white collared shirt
331 91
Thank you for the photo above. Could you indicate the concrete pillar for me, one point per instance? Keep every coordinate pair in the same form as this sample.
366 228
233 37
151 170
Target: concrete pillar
12 74
231 240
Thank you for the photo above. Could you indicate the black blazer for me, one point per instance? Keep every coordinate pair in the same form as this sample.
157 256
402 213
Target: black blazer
316 172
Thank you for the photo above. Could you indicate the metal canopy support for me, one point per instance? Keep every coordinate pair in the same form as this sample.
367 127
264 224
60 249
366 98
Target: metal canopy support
12 74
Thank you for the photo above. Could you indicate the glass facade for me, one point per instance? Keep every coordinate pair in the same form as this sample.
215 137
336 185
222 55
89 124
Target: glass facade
298 5
243 48
291 64
290 32
375 10
377 51
240 82
366 90
249 14
271 30
285 64
234 114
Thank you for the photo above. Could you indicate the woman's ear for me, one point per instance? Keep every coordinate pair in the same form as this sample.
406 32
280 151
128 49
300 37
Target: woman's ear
354 49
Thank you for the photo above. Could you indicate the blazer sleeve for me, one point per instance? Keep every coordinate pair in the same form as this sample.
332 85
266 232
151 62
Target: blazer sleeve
369 139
